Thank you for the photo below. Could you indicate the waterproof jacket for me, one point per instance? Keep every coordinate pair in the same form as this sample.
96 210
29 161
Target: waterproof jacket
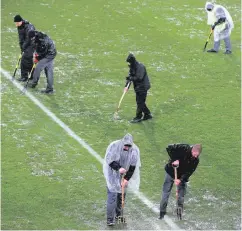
117 157
23 31
139 77
187 163
44 46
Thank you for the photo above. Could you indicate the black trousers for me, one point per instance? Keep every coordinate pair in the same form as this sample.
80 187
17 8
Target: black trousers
27 62
141 106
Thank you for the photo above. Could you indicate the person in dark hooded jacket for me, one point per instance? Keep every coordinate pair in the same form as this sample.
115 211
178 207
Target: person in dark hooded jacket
138 75
27 50
45 52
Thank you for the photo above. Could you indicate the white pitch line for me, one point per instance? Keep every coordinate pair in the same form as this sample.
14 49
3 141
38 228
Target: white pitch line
140 195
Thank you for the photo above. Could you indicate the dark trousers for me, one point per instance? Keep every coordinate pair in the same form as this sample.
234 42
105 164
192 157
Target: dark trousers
141 106
114 204
166 190
26 63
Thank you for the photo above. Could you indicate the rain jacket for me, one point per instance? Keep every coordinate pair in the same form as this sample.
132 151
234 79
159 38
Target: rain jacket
125 159
224 29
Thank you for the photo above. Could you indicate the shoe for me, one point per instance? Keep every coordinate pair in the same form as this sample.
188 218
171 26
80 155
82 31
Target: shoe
147 117
227 52
136 120
162 214
212 51
47 91
110 222
33 85
22 79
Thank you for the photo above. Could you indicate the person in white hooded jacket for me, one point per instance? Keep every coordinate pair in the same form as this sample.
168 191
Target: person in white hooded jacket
222 24
122 158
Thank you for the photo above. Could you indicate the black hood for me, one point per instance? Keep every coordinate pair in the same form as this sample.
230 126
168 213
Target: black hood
131 59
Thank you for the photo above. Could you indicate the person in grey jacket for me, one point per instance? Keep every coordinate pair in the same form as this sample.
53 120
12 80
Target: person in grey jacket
122 159
138 75
27 50
45 52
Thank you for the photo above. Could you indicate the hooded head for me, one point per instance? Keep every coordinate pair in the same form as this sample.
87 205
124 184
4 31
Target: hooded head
209 6
127 142
131 59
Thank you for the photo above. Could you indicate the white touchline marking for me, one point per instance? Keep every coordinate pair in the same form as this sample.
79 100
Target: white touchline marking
140 195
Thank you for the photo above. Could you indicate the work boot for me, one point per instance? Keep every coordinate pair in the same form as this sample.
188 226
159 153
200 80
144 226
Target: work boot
212 51
110 222
22 79
33 85
227 52
147 117
47 91
162 214
136 120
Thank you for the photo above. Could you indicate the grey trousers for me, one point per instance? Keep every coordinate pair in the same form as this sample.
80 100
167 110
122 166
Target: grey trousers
227 44
167 187
114 203
47 65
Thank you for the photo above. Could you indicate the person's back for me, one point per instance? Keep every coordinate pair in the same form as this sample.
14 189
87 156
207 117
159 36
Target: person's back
45 47
142 82
187 164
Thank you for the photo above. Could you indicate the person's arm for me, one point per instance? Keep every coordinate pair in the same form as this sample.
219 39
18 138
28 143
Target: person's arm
21 41
42 52
190 171
220 21
115 165
129 173
140 73
27 41
221 16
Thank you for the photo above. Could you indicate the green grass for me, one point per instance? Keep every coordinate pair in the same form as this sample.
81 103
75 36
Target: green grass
50 182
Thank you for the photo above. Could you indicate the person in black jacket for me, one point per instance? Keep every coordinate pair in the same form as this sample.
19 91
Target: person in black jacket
45 52
186 159
27 50
138 75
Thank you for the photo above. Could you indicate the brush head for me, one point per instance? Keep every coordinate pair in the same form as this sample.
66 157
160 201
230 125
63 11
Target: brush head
121 220
116 116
